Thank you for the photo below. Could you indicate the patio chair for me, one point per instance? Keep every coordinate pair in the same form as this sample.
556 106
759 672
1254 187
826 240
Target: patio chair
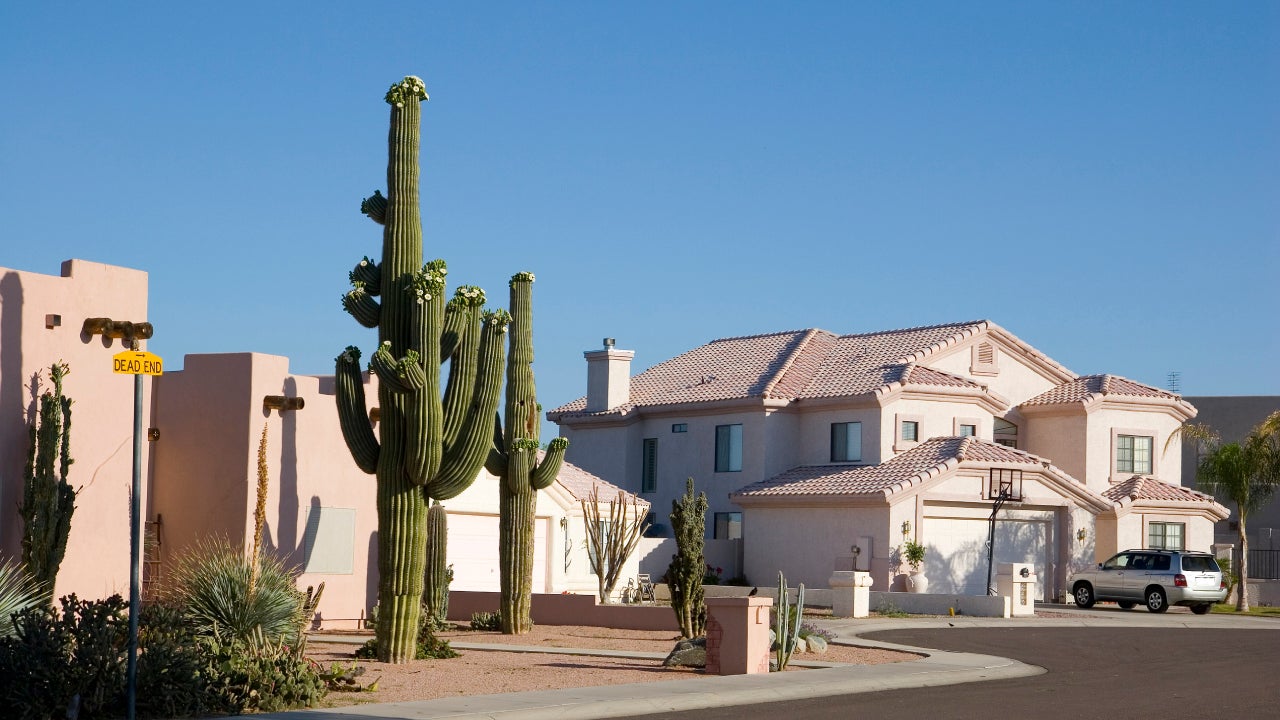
644 589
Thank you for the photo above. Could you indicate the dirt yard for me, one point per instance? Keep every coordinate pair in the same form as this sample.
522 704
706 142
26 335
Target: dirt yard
483 672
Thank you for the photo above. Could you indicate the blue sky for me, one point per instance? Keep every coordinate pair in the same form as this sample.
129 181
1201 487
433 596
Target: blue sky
1100 179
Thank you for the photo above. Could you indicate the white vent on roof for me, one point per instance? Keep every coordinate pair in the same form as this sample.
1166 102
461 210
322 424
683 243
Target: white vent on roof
985 359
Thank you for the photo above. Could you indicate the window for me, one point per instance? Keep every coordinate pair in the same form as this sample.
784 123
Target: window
728 525
846 442
649 466
1166 536
680 427
728 448
1004 432
1133 454
968 430
910 431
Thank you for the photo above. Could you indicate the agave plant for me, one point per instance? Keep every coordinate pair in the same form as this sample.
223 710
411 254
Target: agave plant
215 585
18 591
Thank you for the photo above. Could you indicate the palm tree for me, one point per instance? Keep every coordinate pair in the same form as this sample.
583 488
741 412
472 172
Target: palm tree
1246 473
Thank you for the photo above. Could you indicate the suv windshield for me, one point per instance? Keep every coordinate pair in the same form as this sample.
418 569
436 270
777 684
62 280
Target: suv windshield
1198 563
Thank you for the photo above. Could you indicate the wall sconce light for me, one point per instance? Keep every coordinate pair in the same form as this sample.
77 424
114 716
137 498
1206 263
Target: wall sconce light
282 403
108 328
564 523
52 321
153 434
906 527
1081 534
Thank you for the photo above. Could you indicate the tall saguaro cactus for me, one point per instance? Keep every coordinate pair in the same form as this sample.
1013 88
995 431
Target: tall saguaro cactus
48 500
514 461
426 446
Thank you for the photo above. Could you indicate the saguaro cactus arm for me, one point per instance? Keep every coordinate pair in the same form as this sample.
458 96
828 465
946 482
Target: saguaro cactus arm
465 454
549 468
353 417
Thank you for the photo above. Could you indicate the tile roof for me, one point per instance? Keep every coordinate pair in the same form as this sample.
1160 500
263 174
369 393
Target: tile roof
926 460
579 483
1088 387
1141 488
798 364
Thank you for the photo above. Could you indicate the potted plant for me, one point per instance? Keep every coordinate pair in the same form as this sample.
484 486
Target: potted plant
913 553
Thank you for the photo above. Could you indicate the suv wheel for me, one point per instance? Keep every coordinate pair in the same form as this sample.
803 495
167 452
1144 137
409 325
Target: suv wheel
1084 595
1201 609
1126 604
1157 601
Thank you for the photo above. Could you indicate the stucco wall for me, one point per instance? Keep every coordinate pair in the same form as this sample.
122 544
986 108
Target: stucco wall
97 558
1105 423
937 418
1061 437
211 417
814 440
1016 380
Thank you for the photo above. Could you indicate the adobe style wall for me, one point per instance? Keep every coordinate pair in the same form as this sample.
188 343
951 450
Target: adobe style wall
321 509
97 558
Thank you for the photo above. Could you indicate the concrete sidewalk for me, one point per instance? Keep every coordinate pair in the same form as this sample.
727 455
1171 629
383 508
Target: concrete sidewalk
937 668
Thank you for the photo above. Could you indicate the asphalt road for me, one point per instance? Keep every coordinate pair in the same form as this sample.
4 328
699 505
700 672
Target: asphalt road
1092 673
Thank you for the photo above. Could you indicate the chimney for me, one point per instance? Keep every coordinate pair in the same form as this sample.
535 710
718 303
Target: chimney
608 377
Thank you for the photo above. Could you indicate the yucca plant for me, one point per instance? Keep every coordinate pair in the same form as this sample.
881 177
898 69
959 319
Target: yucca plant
18 591
212 581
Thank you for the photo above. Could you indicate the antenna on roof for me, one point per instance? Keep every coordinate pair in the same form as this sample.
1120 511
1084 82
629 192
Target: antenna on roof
1174 382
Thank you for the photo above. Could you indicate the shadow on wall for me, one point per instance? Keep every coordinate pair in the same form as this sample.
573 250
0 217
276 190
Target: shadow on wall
290 548
13 422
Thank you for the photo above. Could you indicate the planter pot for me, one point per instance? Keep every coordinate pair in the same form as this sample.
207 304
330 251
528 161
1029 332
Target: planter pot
917 582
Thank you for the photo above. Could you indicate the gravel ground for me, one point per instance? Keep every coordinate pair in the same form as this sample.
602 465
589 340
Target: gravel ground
484 672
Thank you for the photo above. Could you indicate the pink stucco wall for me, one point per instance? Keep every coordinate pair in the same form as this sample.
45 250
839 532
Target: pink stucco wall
211 416
97 559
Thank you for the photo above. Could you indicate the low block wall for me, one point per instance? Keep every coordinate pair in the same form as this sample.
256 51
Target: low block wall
569 610
1262 593
928 604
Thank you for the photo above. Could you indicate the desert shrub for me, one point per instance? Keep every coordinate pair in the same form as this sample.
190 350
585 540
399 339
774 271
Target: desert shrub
429 646
486 621
18 591
258 673
211 583
69 658
807 629
171 670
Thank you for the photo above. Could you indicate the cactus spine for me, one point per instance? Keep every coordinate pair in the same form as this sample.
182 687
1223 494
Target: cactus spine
514 461
689 565
48 501
427 446
786 629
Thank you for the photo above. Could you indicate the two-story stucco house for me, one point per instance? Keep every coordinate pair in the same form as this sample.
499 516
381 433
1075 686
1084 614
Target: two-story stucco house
808 443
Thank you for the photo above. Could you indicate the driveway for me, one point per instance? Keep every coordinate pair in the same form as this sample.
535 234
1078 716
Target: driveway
1173 665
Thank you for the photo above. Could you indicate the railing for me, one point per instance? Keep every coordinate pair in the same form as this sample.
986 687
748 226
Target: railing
1264 564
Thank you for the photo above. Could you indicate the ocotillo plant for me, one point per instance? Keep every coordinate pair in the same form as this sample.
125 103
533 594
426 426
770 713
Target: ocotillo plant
426 446
689 565
514 461
48 501
612 538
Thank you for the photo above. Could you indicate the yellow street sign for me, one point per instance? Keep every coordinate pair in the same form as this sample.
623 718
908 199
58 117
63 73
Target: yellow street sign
136 362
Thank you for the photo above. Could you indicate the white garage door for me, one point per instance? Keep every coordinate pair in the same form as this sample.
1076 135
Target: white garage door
473 552
956 557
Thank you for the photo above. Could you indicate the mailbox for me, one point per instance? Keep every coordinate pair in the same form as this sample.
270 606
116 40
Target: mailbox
1018 581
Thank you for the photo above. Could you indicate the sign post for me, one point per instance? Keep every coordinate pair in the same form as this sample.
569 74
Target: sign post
137 363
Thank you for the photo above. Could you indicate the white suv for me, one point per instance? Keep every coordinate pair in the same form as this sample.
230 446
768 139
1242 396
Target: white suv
1156 578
